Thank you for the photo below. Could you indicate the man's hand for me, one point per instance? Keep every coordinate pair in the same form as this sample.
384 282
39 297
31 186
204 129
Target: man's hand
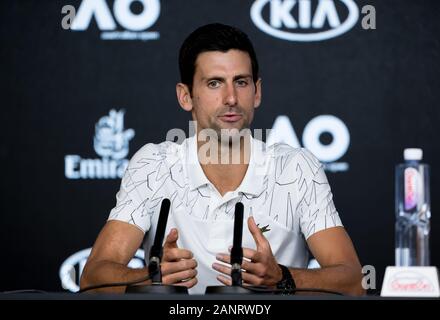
178 266
260 265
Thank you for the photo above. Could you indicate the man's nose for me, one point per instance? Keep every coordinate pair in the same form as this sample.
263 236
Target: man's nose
230 97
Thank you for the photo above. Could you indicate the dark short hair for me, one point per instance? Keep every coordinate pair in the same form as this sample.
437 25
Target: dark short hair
213 37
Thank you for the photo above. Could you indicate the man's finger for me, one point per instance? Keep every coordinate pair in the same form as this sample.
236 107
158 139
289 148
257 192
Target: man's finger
260 240
249 267
223 257
173 267
226 281
221 268
171 239
249 254
189 284
176 254
179 276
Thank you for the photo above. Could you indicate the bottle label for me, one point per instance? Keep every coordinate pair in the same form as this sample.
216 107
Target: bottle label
411 190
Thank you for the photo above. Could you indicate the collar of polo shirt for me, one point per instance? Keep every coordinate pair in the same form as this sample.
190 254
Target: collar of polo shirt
253 181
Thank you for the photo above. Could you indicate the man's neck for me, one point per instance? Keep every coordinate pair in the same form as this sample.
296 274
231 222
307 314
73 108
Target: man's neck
226 172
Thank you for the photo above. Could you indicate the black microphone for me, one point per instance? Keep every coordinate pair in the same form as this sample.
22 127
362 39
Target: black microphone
156 251
155 259
237 250
236 259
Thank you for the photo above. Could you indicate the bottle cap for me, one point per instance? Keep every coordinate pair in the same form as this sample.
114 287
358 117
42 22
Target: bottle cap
413 154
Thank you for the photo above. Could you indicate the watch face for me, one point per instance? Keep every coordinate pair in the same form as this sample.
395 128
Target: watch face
287 281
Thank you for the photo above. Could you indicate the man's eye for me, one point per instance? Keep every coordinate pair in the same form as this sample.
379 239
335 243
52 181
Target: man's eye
242 83
213 84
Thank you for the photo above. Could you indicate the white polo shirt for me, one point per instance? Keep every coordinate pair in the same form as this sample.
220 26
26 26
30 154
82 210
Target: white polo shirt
284 188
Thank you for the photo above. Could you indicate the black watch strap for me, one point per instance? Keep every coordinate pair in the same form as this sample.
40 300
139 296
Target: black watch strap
287 284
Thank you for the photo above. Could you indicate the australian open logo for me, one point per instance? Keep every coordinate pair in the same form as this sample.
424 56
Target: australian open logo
111 144
125 20
304 20
326 136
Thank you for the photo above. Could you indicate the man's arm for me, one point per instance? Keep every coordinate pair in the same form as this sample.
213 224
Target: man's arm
332 248
115 247
340 268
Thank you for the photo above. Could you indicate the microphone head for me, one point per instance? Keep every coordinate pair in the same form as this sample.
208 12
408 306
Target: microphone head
237 250
165 207
156 249
239 208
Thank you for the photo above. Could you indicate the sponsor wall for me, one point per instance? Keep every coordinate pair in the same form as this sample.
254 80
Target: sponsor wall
80 98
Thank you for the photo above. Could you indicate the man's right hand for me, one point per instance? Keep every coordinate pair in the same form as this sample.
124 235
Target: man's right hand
178 266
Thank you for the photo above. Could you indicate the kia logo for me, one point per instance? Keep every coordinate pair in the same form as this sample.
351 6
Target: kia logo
310 19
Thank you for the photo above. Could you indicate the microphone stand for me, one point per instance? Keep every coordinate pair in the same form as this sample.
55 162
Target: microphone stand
156 253
236 259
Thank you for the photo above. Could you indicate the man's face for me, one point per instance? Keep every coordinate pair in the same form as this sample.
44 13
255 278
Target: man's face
224 95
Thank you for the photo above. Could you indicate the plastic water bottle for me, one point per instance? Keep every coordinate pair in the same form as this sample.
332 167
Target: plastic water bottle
412 210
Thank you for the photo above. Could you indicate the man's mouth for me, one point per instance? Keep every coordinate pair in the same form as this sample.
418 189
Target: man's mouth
230 117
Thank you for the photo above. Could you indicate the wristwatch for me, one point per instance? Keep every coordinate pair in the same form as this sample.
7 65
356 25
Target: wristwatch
287 284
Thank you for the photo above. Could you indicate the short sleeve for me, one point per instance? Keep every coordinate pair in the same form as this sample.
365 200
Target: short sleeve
316 208
136 190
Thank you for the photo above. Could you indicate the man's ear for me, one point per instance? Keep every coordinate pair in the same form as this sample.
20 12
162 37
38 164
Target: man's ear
184 96
257 100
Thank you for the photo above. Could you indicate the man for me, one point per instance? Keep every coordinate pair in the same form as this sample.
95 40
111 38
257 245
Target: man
287 200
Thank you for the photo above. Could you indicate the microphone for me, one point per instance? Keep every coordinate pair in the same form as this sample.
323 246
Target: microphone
236 259
155 259
237 250
156 251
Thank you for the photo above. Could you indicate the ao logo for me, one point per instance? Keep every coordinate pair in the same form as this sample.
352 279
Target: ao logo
308 22
71 269
123 14
282 131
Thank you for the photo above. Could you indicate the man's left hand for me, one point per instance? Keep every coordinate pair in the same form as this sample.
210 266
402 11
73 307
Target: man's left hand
260 266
